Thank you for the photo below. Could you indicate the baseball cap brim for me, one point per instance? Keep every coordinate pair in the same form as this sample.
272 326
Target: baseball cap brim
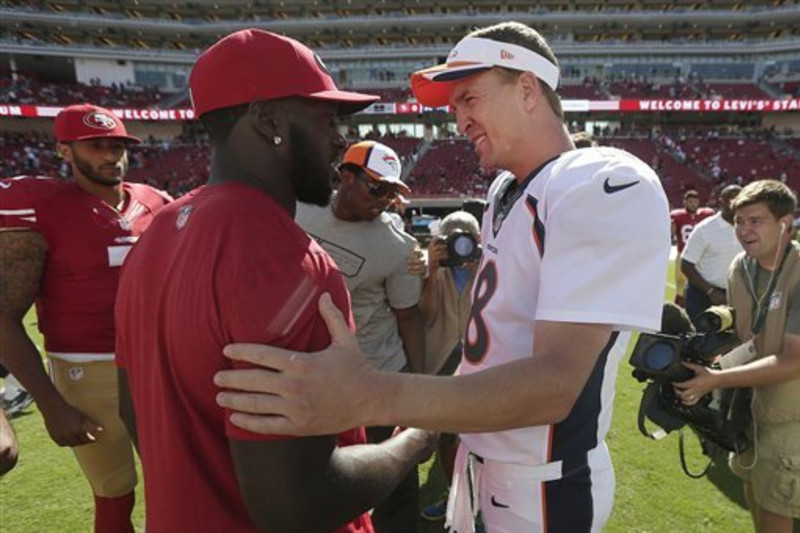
374 176
432 86
347 102
127 138
472 55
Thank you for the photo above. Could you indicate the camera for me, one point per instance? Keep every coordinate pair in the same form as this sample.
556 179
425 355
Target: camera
659 357
462 247
720 417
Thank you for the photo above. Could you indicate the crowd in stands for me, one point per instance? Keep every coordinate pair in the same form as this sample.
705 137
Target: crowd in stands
700 158
22 89
29 89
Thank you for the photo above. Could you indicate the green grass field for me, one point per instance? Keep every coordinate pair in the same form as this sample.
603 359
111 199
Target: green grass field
47 492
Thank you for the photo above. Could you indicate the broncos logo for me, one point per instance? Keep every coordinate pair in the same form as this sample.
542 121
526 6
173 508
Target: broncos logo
100 121
391 161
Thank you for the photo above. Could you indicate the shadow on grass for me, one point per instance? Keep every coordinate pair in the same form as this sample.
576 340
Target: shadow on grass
431 491
728 484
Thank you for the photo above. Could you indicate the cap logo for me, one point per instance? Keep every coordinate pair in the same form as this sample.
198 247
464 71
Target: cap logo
505 54
99 121
322 66
391 161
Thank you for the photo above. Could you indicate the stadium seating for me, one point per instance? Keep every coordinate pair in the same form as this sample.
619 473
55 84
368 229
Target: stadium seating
27 89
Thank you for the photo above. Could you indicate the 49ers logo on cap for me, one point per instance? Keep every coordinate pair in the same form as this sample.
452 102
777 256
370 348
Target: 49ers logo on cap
99 121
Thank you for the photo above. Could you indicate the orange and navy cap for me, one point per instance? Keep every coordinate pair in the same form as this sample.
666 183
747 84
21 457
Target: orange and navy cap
432 86
378 161
254 64
85 121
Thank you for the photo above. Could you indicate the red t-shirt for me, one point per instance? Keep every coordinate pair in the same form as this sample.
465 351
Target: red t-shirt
223 264
685 222
87 241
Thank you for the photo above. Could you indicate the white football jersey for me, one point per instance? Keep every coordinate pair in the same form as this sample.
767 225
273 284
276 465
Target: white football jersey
585 238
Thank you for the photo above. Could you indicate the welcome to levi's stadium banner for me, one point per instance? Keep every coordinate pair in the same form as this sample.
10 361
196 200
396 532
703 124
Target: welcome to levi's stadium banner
402 108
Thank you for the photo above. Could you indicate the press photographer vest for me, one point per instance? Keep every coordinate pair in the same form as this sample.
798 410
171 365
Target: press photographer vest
777 403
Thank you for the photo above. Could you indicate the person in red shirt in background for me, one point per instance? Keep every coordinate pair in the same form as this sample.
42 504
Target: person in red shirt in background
63 243
683 222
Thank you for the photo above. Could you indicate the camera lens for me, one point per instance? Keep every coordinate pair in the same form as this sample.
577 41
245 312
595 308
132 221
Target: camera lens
659 356
463 245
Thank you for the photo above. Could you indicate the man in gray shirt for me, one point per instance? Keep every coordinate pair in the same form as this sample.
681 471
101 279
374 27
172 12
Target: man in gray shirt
371 255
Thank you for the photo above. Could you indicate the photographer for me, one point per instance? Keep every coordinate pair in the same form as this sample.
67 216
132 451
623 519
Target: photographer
445 302
764 290
445 297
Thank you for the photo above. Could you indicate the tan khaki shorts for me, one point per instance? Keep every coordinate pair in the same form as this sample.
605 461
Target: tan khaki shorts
775 476
92 388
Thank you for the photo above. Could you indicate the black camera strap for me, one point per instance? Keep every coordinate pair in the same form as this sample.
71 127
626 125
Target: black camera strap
761 305
649 408
682 455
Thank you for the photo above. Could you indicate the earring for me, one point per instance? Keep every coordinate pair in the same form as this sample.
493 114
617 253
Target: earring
277 140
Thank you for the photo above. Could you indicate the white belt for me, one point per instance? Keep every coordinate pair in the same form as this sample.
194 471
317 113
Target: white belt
544 472
81 357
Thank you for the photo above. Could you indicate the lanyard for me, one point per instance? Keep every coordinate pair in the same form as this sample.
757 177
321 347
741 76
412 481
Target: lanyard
759 307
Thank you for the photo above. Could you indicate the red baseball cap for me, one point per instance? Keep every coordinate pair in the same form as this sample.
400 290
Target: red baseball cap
85 121
254 64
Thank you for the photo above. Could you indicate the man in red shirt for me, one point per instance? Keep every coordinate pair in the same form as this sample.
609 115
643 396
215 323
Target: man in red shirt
683 222
63 243
227 263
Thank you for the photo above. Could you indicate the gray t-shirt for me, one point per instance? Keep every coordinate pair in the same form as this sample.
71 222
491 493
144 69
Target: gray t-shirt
372 257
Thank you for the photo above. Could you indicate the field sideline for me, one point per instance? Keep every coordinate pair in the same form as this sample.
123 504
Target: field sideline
47 493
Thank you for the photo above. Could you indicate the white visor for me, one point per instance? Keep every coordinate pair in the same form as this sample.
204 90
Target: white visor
472 55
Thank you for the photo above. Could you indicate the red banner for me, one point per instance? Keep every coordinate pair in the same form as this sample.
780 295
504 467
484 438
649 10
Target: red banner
739 106
32 111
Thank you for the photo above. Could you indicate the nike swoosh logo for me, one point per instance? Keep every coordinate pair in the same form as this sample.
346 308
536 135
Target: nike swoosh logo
498 504
611 189
5 185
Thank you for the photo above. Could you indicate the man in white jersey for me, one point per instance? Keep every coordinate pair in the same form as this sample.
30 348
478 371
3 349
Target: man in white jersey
554 302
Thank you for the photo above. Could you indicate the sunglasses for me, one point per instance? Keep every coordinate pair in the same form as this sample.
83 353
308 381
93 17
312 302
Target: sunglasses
379 189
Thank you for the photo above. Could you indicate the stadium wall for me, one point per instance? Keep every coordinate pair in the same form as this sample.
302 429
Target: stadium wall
106 70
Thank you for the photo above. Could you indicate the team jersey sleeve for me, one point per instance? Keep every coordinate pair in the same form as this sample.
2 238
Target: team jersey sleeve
606 253
17 206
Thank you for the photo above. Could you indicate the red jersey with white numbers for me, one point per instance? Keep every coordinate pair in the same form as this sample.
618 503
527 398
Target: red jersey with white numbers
684 222
87 241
